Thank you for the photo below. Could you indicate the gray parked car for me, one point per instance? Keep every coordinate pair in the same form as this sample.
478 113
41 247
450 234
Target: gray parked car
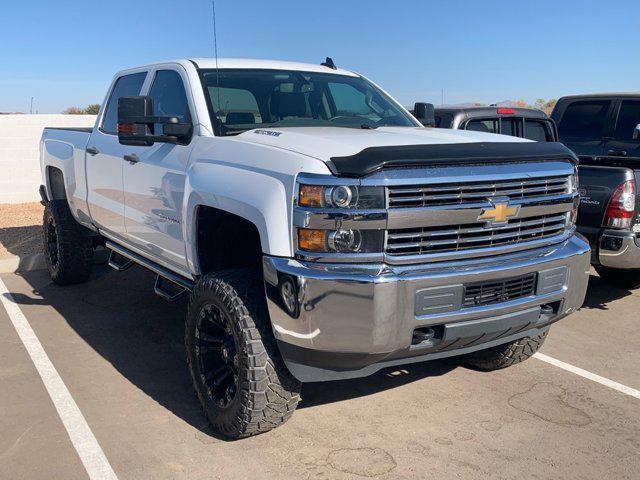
518 122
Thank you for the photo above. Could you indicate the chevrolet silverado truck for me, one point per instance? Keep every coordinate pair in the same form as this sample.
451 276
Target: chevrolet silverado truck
604 131
320 231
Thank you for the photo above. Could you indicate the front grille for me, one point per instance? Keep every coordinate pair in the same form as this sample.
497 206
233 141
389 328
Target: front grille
496 291
419 241
412 196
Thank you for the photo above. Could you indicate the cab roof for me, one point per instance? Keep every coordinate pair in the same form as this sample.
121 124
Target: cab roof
250 63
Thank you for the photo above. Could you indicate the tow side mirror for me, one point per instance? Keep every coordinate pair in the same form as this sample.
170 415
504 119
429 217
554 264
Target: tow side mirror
136 124
636 133
425 113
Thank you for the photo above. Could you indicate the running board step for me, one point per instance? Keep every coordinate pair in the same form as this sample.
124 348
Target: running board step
169 290
169 285
119 262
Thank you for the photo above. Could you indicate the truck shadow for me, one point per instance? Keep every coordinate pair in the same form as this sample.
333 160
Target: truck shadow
600 294
141 335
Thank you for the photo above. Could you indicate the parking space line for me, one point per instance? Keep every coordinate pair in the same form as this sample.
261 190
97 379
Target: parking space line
93 458
588 375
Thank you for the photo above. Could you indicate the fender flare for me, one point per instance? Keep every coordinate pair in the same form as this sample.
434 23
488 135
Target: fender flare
257 196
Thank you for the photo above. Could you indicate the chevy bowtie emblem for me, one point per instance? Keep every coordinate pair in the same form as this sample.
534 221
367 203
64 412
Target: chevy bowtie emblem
500 213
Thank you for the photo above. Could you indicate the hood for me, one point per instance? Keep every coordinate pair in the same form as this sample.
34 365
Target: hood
324 143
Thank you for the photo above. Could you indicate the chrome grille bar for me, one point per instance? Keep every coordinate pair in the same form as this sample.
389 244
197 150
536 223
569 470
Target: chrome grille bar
433 239
456 194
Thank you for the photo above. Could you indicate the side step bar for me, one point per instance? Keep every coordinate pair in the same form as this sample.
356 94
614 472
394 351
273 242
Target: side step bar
119 262
169 285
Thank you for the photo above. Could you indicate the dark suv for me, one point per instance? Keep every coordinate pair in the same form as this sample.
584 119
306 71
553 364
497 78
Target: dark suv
604 131
518 122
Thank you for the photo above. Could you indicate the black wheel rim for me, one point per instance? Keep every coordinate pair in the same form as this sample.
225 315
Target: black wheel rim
52 244
217 355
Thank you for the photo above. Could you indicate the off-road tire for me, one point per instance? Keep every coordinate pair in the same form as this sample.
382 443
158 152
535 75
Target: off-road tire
628 279
266 394
503 356
68 246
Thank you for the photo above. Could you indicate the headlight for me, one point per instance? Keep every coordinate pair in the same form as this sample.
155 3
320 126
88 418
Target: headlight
572 183
341 196
340 241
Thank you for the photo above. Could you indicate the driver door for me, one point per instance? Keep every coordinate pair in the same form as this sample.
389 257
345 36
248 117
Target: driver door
154 184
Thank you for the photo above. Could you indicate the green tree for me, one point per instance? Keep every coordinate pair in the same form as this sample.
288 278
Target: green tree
74 111
92 109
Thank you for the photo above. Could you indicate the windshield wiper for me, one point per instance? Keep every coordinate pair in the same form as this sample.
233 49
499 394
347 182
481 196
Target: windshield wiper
368 126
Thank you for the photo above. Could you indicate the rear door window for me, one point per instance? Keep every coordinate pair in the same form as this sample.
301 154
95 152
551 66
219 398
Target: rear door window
537 130
126 86
585 119
628 119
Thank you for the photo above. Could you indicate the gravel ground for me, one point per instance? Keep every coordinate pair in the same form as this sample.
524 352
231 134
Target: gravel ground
20 228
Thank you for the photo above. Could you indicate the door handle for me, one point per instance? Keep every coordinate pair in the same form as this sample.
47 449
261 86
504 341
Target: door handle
133 158
617 153
92 150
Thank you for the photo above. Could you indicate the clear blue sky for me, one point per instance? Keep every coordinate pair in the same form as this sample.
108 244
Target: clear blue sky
65 52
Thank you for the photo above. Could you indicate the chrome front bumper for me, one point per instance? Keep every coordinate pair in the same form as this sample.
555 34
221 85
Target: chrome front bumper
349 320
619 250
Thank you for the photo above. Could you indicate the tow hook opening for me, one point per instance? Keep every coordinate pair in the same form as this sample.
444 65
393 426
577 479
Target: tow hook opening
549 311
428 336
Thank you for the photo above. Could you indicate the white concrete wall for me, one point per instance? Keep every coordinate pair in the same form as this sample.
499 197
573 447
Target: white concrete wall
19 152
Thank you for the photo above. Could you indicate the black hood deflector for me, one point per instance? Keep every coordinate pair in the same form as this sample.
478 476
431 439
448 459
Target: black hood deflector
372 159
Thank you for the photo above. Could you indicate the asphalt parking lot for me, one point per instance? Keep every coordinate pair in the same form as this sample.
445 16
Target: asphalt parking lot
118 348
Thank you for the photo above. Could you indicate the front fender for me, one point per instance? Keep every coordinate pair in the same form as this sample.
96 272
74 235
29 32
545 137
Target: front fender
256 195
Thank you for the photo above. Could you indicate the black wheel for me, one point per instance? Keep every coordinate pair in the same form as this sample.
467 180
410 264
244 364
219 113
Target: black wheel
240 380
503 356
68 246
622 278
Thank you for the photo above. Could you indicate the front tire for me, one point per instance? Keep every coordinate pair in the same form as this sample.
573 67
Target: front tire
240 380
629 279
68 246
503 356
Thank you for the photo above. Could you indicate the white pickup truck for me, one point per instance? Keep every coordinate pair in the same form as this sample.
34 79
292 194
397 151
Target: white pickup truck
320 230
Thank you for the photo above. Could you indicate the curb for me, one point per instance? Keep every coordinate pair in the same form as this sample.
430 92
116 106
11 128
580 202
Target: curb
36 261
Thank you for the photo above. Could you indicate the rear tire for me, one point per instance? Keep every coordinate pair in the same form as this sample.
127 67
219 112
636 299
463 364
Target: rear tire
504 356
240 380
629 279
68 246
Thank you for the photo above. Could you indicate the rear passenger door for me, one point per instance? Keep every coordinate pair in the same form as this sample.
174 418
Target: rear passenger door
104 162
622 144
154 185
583 125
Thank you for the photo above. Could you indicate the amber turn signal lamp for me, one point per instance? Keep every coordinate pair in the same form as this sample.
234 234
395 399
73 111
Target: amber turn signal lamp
311 196
312 240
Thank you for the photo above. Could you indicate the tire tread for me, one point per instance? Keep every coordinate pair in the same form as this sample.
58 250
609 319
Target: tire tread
503 356
75 246
268 392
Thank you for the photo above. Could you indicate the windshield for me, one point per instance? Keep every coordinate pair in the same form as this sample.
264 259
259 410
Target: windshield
241 100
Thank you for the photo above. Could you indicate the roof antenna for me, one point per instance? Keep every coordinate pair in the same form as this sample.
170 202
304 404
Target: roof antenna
329 63
215 52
